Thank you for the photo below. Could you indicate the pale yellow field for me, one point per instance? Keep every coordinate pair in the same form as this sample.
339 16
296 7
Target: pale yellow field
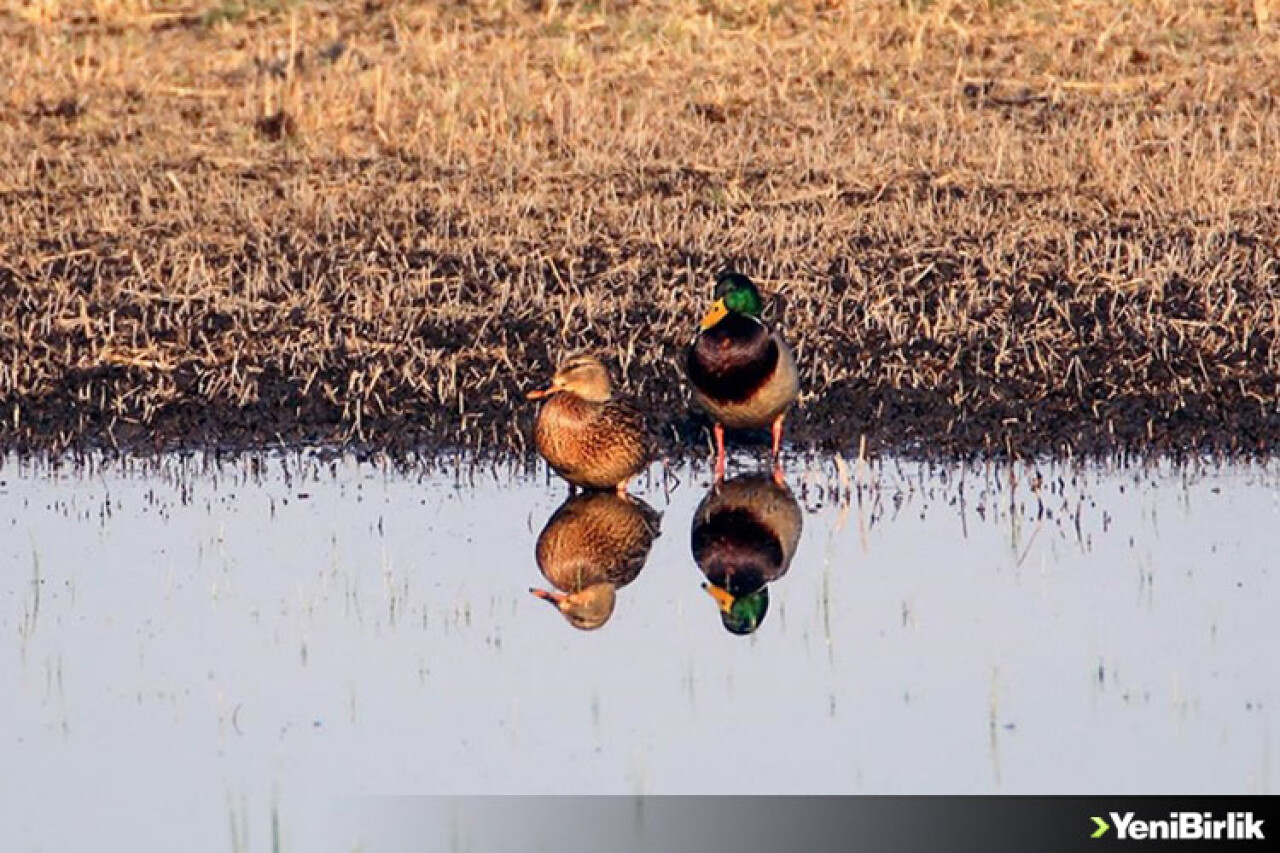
985 225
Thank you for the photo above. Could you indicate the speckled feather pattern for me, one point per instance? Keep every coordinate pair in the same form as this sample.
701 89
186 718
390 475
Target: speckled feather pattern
595 445
593 538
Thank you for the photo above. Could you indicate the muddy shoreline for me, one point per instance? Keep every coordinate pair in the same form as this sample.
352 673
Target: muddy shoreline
914 424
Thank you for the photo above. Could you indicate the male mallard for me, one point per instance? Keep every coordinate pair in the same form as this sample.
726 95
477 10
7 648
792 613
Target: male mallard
743 374
589 438
745 532
594 544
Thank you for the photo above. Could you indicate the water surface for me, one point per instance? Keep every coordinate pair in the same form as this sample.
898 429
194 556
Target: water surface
226 657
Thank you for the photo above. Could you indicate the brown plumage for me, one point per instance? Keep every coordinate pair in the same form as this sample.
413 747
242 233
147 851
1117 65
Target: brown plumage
594 544
586 436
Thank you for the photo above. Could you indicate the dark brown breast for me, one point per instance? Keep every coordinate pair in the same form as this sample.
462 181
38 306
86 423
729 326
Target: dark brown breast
733 359
736 551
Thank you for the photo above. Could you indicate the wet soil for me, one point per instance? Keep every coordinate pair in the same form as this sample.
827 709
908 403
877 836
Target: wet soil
1008 419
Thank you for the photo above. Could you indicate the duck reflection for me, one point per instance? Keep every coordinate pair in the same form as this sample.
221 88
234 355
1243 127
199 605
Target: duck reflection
593 545
745 533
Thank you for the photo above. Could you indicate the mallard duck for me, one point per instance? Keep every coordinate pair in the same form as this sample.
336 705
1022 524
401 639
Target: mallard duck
745 533
593 545
588 437
743 375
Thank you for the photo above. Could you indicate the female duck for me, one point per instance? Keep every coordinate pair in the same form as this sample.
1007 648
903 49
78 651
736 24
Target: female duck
743 375
595 544
588 437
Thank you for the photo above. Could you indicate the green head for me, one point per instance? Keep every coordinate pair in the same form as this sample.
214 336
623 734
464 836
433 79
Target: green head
739 293
747 612
734 294
741 614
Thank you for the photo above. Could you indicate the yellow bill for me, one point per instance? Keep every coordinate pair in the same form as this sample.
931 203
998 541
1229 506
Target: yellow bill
722 596
553 597
717 313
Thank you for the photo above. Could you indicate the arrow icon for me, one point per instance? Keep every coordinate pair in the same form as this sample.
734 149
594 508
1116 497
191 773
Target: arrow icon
1103 826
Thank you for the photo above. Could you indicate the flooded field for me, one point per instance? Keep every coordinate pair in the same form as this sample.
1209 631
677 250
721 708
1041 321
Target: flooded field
236 656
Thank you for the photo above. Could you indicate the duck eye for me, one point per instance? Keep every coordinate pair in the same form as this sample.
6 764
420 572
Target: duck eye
578 367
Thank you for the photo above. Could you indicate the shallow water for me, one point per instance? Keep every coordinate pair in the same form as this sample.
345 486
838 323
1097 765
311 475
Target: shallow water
229 657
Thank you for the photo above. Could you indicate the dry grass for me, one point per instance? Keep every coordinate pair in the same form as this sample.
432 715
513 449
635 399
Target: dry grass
990 225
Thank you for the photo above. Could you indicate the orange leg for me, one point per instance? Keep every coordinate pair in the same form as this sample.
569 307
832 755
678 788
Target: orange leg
777 445
719 431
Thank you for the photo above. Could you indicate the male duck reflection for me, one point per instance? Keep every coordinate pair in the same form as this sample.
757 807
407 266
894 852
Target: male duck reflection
743 374
586 436
745 533
593 545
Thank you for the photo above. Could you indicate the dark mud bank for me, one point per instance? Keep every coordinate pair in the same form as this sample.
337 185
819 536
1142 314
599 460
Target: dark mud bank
912 422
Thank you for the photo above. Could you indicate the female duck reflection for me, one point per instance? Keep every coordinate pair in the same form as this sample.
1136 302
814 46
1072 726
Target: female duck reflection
594 544
745 533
